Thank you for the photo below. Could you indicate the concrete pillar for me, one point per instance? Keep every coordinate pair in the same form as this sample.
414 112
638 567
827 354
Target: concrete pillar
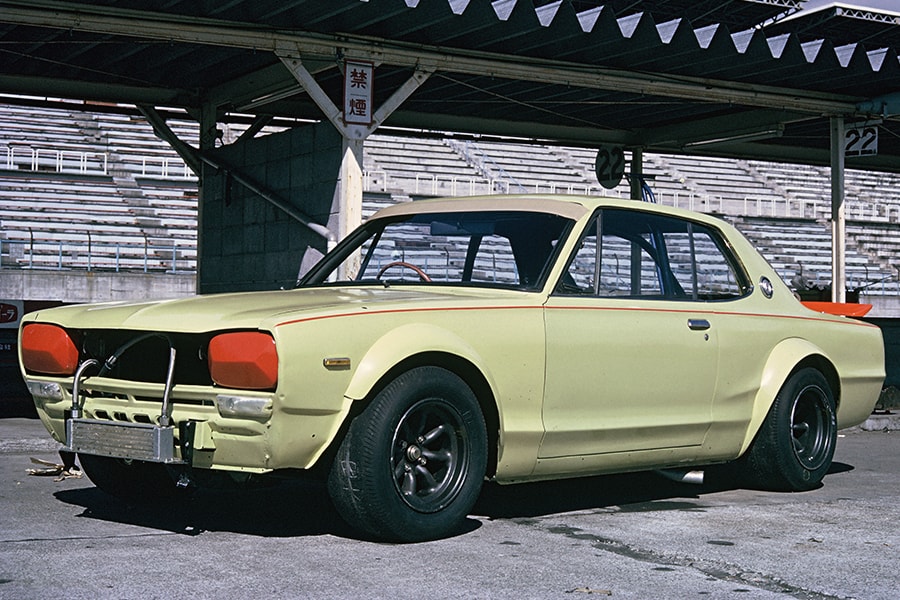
637 173
346 211
207 142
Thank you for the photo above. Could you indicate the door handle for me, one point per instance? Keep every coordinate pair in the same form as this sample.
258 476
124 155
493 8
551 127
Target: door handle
698 324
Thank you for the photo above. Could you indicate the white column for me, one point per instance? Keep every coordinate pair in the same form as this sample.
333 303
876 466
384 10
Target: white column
838 218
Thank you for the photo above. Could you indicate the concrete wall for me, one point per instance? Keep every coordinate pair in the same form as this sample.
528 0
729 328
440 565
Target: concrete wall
882 306
92 286
31 290
246 243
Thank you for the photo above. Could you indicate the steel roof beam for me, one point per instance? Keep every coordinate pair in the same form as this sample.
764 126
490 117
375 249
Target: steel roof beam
182 29
109 92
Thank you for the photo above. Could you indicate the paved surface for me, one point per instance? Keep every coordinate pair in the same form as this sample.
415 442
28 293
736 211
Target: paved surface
626 536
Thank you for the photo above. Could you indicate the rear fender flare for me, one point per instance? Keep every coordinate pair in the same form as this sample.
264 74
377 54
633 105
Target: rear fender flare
782 361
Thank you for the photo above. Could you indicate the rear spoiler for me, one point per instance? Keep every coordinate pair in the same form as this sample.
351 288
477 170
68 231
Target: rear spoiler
842 309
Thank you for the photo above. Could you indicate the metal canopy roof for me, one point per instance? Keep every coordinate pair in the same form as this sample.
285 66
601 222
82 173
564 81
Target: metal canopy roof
844 24
697 77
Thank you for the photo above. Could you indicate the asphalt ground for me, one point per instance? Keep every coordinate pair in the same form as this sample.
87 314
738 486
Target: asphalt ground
624 536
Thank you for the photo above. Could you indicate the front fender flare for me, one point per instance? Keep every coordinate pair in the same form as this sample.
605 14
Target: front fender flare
402 343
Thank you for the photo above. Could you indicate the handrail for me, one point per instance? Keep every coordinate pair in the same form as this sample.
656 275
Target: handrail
93 255
22 157
58 160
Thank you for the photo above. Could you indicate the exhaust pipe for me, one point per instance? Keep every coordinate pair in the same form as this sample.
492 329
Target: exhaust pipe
682 475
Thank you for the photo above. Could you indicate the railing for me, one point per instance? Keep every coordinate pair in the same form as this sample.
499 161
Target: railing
165 167
454 185
884 286
460 185
486 163
753 206
691 201
83 162
96 256
56 160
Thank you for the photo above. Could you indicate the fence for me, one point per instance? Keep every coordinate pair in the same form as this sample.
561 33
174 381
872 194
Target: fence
96 256
56 160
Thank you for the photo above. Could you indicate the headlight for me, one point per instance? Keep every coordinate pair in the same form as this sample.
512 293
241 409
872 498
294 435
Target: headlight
244 360
242 406
45 390
48 349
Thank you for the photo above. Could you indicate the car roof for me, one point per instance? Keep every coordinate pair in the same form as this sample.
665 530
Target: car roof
573 207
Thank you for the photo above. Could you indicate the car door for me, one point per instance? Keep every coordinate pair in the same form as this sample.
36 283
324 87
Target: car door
632 345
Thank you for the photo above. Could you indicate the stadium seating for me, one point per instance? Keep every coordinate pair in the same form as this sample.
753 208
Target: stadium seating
85 189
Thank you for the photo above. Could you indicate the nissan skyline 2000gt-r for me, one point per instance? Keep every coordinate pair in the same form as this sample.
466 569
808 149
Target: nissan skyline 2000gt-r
450 341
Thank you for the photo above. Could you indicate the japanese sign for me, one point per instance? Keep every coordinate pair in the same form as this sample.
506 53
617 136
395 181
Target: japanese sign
10 313
358 81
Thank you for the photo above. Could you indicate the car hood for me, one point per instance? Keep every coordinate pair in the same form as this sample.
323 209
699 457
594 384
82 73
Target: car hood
254 310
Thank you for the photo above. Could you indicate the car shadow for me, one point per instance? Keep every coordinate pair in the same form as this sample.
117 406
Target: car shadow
628 492
838 467
302 508
289 509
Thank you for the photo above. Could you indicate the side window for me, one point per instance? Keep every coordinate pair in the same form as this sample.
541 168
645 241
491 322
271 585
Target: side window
635 254
698 264
622 264
494 262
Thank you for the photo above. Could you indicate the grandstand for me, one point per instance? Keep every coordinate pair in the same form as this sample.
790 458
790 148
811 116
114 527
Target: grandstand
95 191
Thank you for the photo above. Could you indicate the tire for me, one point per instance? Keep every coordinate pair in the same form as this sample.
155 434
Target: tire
795 445
130 480
412 463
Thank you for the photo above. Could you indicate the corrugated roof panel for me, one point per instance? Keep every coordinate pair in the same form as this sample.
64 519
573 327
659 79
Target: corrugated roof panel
844 24
695 51
563 37
683 40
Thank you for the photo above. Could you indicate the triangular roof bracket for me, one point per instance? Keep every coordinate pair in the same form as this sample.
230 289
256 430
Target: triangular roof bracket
194 159
335 115
189 154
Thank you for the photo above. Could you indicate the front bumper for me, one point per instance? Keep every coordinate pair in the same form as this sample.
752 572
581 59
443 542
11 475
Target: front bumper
208 427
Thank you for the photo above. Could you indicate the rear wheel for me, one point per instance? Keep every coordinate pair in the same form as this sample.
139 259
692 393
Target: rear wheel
412 464
795 445
130 480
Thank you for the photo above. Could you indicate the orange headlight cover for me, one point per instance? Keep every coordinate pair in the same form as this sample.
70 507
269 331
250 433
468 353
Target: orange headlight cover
244 360
48 349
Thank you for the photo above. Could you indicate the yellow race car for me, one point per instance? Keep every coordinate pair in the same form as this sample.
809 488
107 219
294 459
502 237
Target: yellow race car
512 338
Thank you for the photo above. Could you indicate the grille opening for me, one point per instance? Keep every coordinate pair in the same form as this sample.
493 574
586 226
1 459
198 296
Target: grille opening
120 416
147 359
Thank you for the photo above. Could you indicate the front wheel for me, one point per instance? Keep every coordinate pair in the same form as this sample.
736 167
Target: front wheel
412 464
795 445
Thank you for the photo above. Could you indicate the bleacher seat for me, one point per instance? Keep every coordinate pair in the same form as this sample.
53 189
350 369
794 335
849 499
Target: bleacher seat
67 173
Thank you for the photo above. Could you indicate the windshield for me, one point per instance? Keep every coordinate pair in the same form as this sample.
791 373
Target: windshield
481 248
